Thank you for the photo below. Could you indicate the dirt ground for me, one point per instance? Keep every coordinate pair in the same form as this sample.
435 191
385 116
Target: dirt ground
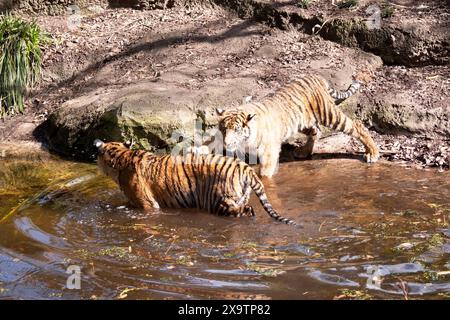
112 48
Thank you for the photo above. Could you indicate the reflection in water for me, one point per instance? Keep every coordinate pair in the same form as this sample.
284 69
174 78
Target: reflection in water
359 222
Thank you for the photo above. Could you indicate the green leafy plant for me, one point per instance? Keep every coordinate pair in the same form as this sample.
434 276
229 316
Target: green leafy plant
304 4
352 295
347 4
264 271
387 11
20 61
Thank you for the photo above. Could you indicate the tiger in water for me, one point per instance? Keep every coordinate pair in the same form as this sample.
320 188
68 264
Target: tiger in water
214 183
300 106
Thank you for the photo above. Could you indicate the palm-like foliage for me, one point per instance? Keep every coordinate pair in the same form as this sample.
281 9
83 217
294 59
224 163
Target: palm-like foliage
20 61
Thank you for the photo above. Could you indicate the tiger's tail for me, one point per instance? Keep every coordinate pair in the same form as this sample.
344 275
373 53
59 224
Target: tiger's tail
342 95
258 187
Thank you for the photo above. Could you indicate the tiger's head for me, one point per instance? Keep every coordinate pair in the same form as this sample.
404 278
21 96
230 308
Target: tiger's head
237 127
112 157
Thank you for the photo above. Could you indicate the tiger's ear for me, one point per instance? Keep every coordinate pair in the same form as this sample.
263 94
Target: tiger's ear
128 143
220 111
250 116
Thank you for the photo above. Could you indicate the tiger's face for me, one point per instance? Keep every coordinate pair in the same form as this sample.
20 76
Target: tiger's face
236 128
110 158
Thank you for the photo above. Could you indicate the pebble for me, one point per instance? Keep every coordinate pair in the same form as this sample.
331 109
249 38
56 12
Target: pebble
404 246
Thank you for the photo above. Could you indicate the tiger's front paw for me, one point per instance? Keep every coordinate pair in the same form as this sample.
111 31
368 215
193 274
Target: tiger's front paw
372 157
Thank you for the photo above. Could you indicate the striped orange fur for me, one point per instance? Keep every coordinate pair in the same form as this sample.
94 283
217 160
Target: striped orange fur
300 106
214 183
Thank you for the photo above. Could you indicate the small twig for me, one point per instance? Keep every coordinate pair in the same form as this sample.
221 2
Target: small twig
319 26
109 39
148 238
320 227
170 247
402 286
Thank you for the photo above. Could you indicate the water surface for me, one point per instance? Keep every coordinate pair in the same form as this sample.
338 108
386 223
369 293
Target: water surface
360 224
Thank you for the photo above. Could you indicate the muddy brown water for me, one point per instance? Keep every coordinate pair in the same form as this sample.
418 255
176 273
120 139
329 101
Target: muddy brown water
368 231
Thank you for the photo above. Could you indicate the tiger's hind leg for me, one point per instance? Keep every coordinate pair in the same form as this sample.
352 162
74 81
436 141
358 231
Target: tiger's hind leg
229 206
357 129
248 211
313 134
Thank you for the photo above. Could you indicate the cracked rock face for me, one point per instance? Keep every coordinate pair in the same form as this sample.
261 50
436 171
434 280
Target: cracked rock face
400 39
401 46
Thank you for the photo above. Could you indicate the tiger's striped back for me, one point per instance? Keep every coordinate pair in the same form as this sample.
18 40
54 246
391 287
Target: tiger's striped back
302 105
316 104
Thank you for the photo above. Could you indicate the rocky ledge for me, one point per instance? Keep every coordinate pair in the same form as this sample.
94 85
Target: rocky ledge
147 74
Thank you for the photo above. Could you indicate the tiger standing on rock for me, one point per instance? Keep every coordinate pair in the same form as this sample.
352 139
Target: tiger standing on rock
215 183
300 106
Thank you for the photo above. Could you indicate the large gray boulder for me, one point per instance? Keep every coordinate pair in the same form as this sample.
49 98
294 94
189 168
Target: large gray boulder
156 115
